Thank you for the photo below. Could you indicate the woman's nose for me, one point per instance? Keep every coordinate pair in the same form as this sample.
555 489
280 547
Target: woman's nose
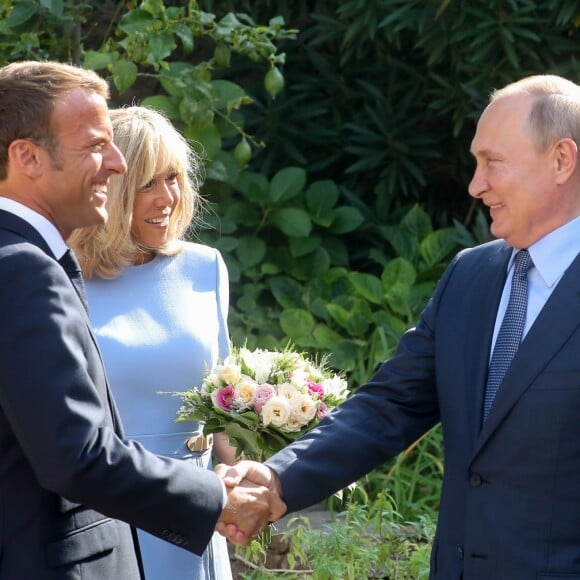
165 196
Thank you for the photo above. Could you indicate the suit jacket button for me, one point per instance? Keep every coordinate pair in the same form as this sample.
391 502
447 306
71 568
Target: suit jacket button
170 536
475 480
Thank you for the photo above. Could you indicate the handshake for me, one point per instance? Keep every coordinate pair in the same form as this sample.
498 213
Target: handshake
254 500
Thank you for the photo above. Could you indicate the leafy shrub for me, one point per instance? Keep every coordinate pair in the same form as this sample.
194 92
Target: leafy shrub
365 541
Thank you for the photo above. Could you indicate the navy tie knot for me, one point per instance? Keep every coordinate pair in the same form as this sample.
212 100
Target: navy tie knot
522 263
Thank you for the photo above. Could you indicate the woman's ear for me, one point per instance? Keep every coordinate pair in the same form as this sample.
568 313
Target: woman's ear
565 158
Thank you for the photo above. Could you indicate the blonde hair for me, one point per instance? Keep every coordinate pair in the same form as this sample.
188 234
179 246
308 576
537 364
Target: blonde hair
150 144
555 112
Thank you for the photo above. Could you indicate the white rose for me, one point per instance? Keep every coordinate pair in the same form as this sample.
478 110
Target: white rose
231 372
276 411
288 391
245 390
303 409
299 377
292 425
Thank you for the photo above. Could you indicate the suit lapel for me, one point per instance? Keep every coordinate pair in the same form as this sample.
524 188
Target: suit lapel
551 329
17 225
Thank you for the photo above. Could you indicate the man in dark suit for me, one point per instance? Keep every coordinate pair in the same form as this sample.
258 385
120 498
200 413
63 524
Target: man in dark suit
68 480
510 506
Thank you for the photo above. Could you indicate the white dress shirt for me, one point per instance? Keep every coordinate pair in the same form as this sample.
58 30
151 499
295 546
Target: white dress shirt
552 256
43 226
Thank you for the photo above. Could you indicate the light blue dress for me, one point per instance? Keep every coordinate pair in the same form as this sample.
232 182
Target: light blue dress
160 326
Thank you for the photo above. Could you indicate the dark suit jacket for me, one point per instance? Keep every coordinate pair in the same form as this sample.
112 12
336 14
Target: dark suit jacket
66 475
510 506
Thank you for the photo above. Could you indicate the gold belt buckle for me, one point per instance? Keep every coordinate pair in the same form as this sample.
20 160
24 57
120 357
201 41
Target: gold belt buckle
199 443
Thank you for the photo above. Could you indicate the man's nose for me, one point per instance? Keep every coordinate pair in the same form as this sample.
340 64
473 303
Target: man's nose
478 184
115 162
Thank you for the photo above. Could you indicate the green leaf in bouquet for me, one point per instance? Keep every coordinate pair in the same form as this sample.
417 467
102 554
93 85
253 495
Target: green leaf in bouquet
273 440
213 425
248 418
246 441
246 370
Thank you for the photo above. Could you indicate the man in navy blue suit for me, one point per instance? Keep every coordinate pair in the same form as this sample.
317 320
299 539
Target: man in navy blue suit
69 481
510 506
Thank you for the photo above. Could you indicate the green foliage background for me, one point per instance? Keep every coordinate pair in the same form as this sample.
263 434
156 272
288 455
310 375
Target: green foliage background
337 203
335 135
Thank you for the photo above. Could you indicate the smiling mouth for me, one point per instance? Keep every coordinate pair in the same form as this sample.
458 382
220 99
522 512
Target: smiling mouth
158 221
100 193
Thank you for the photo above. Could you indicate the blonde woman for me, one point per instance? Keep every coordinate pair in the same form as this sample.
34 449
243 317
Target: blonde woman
159 309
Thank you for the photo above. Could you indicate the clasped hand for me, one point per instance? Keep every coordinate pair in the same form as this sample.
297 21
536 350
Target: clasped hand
254 500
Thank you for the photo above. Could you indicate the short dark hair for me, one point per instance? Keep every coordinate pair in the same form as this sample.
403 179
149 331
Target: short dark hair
28 93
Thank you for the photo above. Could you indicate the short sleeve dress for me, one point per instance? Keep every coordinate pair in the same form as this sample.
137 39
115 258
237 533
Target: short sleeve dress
160 326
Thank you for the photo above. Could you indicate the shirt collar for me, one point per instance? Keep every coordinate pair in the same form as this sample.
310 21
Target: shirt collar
42 225
553 254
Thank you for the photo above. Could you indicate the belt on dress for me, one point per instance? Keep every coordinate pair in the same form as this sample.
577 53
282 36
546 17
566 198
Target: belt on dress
198 443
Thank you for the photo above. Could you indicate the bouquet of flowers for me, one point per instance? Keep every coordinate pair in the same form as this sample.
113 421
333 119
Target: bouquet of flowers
263 399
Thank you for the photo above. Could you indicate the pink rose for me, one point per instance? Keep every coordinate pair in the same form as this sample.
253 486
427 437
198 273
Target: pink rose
321 411
315 389
262 394
225 398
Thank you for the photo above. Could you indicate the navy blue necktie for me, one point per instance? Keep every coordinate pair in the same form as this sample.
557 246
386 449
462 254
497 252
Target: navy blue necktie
71 267
511 330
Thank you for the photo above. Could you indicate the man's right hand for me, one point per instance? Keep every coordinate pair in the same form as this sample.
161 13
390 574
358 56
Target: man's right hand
240 525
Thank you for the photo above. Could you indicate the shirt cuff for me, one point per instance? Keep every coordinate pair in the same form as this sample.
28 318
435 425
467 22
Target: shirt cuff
224 493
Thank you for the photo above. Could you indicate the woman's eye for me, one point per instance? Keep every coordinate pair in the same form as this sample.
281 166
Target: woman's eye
149 184
172 176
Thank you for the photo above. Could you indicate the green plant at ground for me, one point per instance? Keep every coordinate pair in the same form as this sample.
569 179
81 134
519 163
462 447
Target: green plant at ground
365 541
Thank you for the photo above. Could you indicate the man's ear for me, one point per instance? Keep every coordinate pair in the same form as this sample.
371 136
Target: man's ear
25 156
565 158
